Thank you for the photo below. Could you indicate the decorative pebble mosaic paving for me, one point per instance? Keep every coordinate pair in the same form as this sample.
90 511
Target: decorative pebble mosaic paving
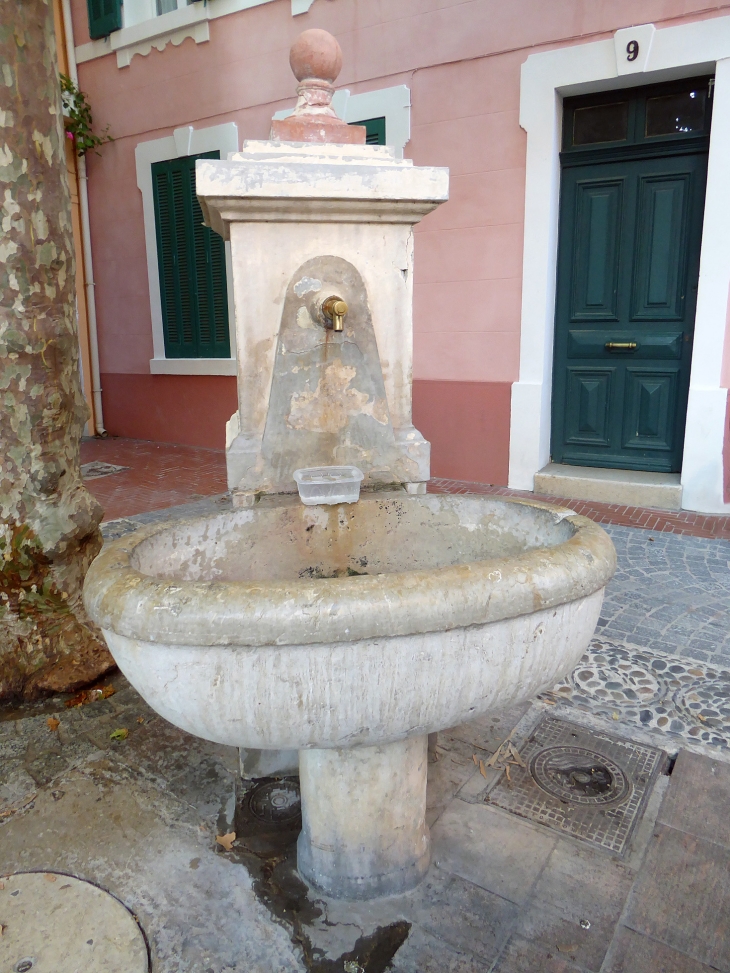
626 683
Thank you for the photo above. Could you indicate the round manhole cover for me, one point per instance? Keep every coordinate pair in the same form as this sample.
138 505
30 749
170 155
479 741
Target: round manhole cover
580 776
54 923
276 802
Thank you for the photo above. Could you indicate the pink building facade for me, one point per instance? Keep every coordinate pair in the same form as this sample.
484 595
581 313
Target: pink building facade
482 88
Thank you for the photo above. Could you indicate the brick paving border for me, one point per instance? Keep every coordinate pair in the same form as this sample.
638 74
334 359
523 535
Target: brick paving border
660 521
161 475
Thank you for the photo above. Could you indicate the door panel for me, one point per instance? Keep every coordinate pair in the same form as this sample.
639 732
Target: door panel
660 248
650 403
628 260
589 393
598 215
592 344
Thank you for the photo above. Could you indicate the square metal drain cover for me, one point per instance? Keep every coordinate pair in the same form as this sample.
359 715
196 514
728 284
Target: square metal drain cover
584 783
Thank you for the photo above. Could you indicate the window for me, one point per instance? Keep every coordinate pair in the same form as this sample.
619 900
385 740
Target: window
191 262
374 130
104 17
672 110
167 6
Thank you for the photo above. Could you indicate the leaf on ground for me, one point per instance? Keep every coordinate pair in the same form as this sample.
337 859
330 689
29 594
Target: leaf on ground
119 734
475 758
226 840
49 877
615 715
53 724
516 754
2 928
140 719
90 696
509 776
482 768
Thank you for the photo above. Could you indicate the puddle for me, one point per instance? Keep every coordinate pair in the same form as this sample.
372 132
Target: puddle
267 823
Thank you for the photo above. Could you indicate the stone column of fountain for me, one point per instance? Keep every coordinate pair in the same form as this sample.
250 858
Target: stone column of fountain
346 633
311 215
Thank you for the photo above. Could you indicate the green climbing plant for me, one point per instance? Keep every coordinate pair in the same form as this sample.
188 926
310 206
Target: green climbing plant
77 118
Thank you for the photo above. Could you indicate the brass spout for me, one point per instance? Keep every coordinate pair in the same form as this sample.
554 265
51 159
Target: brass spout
335 309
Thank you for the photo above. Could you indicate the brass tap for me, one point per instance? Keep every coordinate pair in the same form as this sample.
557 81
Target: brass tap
335 309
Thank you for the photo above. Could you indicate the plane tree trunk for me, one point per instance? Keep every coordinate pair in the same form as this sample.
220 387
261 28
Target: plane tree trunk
49 523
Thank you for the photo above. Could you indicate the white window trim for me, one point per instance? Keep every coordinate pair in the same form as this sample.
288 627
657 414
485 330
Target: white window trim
170 28
392 103
674 52
183 141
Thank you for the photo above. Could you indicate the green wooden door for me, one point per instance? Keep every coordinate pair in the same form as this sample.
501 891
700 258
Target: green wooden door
630 232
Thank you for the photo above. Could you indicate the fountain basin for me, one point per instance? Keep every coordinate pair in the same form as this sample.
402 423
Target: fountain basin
349 633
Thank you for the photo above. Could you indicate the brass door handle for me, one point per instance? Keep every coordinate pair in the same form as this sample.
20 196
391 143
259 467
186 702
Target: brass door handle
620 346
336 309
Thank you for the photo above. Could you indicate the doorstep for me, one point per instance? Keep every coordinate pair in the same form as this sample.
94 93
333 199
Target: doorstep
631 488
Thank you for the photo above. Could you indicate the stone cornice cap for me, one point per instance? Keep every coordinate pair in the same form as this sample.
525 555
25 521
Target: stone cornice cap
326 183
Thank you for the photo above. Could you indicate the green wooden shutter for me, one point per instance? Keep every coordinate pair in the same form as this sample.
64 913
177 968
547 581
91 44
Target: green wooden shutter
192 265
374 130
104 17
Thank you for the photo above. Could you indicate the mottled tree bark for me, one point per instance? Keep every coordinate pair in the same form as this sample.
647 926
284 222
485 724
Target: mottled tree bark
49 523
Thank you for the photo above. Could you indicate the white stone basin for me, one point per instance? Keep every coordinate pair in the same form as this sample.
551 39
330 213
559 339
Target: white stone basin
349 633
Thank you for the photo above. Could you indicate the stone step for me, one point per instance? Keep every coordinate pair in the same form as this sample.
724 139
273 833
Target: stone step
631 488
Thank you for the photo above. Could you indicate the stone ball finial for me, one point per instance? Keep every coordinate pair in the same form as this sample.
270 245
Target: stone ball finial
316 54
316 60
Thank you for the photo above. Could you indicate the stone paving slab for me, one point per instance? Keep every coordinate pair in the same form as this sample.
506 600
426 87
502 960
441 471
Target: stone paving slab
423 953
682 897
524 956
577 886
698 803
494 850
633 953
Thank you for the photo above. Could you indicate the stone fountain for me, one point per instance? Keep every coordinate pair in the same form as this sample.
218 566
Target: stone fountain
346 633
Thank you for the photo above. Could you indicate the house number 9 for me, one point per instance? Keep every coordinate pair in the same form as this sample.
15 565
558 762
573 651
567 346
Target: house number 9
632 50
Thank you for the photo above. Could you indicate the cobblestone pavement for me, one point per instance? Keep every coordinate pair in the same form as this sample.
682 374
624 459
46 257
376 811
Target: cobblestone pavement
671 593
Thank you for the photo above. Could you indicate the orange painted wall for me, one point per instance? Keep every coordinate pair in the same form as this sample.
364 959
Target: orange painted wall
467 424
188 409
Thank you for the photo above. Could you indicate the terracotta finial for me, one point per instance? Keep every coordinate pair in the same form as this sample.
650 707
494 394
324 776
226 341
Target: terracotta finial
316 60
316 54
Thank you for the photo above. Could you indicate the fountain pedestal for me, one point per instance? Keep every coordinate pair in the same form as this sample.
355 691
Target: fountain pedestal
364 830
